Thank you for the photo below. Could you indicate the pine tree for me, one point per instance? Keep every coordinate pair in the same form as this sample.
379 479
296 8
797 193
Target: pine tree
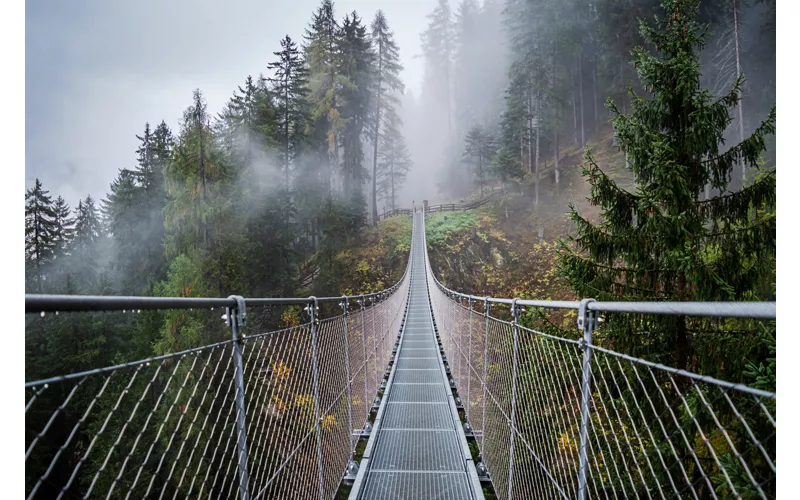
85 249
356 65
662 242
40 231
64 226
438 48
395 162
479 150
193 178
322 54
387 86
289 86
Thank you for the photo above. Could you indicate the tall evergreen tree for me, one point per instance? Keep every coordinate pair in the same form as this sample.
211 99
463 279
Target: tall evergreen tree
86 245
40 229
479 150
64 227
438 48
387 86
395 162
289 86
661 241
322 54
356 66
193 179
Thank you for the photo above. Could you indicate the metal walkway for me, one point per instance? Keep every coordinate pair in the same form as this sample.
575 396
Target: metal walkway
417 448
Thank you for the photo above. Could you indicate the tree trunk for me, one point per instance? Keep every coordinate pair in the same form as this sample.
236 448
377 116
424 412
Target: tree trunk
375 139
738 75
538 121
594 95
530 132
286 131
580 93
575 113
555 148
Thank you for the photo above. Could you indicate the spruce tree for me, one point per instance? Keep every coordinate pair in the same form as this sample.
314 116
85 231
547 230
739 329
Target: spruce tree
662 242
289 86
479 150
40 231
64 226
395 162
387 86
85 251
356 65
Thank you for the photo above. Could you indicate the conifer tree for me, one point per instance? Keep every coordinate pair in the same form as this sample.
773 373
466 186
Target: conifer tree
85 251
322 54
40 231
356 65
289 86
387 86
438 48
64 226
662 242
193 179
479 150
395 162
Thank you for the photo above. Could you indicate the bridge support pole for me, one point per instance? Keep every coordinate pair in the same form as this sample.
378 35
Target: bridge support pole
345 306
587 323
486 306
513 420
314 307
236 319
364 346
469 361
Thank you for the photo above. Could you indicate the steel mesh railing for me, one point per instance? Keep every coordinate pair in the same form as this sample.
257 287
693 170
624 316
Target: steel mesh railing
556 417
272 414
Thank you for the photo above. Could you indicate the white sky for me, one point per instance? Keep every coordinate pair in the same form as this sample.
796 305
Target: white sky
97 70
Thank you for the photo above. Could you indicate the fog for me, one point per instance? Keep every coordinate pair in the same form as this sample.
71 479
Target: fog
97 71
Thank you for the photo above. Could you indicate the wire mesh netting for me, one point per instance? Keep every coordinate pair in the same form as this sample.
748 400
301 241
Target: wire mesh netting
653 431
166 427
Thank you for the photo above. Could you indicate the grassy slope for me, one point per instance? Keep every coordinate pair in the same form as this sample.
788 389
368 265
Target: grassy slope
377 260
496 250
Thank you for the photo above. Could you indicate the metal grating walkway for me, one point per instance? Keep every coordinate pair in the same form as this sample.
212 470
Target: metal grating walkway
418 449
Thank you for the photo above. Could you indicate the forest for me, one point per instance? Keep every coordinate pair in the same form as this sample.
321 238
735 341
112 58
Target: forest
633 142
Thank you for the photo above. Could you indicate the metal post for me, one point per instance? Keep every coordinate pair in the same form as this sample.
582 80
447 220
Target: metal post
314 307
364 345
513 420
486 306
345 304
469 358
375 342
236 319
586 322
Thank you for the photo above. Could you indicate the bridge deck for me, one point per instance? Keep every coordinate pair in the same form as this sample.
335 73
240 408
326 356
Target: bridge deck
418 450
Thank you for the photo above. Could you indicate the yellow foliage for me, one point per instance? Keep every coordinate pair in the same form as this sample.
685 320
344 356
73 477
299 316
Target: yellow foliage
302 400
328 421
281 371
278 403
291 316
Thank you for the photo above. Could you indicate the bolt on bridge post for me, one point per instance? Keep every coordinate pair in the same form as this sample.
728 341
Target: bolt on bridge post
235 317
513 420
587 323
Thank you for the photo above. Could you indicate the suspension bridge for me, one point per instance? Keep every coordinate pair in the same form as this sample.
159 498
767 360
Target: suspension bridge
414 392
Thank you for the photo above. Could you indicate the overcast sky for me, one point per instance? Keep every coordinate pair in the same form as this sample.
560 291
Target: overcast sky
97 70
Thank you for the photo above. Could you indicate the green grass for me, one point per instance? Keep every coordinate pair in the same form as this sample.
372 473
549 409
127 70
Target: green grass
438 227
397 229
